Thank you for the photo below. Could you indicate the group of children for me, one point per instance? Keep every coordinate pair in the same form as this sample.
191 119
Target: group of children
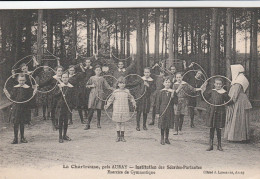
82 91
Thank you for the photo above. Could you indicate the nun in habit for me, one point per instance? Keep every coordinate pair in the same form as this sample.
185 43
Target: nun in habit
237 114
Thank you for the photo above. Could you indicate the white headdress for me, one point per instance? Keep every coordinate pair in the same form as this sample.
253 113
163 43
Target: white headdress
238 77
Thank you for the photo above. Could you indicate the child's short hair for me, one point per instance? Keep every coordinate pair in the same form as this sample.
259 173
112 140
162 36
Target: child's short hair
21 76
167 79
65 74
147 68
71 66
88 59
121 79
218 79
171 67
120 61
179 73
97 66
57 67
22 65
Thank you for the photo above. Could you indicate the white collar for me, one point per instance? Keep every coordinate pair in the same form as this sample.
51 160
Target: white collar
71 75
147 79
56 77
220 91
123 69
24 86
183 82
90 67
169 90
68 85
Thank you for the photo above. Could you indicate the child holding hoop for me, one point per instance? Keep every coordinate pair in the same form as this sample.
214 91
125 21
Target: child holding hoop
64 106
144 103
165 110
97 83
20 112
217 114
120 98
181 108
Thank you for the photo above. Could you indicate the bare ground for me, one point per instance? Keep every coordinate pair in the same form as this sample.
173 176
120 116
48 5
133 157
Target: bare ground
98 147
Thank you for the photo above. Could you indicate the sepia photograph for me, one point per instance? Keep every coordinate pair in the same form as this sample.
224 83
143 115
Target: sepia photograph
117 90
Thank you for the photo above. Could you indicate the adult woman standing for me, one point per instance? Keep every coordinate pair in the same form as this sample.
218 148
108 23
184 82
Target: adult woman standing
237 116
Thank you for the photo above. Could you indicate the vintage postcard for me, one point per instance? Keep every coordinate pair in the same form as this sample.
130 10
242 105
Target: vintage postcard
129 89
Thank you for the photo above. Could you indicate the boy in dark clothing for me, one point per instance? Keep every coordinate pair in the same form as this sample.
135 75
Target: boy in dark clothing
20 112
217 114
143 104
64 106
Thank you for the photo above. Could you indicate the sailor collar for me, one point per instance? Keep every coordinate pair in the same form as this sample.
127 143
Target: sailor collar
90 67
168 90
24 86
68 85
56 77
71 75
147 79
183 83
123 69
220 91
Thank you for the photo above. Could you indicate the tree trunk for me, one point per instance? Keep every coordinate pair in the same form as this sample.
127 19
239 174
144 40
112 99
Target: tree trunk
176 36
254 58
234 36
147 40
229 42
49 31
144 37
88 35
116 31
91 34
182 40
187 40
163 23
157 35
128 45
28 33
139 44
39 35
213 42
170 37
122 37
62 44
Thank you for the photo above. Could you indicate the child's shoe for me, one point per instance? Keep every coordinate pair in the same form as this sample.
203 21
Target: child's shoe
15 141
167 141
23 140
60 140
66 138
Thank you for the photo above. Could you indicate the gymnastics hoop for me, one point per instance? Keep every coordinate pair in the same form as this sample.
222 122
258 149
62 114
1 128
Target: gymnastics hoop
166 106
203 83
21 60
108 106
201 69
105 79
37 84
123 59
204 96
144 86
19 102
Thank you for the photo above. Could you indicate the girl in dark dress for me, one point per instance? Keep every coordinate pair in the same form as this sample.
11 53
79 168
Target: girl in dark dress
20 112
217 114
165 110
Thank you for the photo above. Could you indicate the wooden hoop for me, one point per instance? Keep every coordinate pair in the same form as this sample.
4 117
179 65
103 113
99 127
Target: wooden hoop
37 84
108 106
144 86
220 76
19 102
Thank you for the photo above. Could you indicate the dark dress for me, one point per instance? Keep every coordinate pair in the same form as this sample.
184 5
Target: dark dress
158 87
165 107
216 114
20 112
76 80
88 73
144 103
62 108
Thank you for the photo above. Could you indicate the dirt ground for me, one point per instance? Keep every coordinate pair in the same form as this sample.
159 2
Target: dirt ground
98 147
